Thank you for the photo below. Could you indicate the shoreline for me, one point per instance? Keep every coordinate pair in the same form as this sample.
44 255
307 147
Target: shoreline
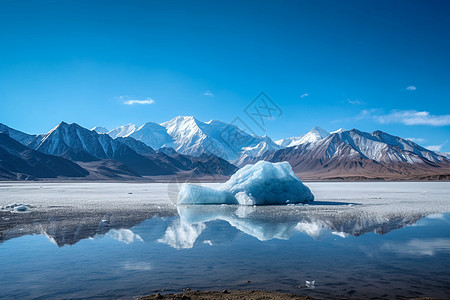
225 294
211 180
242 294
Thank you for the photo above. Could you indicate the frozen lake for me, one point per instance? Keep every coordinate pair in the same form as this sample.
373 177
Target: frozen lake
110 240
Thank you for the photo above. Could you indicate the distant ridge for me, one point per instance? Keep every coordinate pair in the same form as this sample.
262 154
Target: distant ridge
17 162
357 155
187 147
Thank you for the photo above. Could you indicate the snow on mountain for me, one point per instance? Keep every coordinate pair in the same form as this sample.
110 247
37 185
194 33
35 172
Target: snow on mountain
312 136
122 131
193 137
101 152
349 152
259 150
383 147
338 131
152 134
358 153
447 155
265 145
19 136
190 136
75 140
100 129
80 144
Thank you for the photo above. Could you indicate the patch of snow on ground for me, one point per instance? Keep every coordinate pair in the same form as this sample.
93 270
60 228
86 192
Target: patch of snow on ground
16 207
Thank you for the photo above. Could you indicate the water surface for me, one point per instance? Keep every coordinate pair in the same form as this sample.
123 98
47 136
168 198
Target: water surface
350 246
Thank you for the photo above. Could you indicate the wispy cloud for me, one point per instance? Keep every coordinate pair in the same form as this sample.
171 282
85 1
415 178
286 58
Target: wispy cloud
208 93
135 101
413 117
304 95
365 113
355 102
416 140
411 88
406 117
436 148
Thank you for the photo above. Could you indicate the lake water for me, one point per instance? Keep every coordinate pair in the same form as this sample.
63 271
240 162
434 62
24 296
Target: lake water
360 240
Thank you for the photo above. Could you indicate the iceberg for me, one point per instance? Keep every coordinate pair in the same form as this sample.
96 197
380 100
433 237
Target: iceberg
263 183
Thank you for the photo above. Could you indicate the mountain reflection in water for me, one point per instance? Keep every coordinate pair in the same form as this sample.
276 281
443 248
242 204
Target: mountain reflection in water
185 230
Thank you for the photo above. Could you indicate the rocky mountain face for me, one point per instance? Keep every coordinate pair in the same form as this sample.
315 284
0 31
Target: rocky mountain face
103 157
355 154
17 162
19 136
185 145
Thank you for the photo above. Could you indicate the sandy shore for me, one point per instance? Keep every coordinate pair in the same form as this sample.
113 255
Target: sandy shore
235 294
238 294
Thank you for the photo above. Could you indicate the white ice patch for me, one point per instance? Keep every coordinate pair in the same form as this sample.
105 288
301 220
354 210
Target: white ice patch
263 183
244 199
16 207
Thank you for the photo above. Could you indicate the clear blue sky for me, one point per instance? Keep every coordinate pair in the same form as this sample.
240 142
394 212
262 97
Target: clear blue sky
353 64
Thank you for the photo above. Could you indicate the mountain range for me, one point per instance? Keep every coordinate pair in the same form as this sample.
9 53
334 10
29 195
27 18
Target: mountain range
189 148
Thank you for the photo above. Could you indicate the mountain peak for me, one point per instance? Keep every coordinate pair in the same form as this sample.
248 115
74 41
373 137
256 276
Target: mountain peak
122 131
322 132
338 131
100 129
315 134
184 118
183 123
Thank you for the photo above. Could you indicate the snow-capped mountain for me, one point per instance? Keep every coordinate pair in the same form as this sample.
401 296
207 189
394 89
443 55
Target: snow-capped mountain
357 153
313 135
197 148
153 134
266 145
122 131
100 129
190 136
338 131
80 144
262 147
105 157
193 137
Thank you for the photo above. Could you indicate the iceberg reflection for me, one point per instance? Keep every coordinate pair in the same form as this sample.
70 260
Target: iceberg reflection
267 223
198 224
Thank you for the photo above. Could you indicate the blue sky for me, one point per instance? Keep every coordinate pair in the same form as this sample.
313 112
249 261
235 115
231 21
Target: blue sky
353 64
